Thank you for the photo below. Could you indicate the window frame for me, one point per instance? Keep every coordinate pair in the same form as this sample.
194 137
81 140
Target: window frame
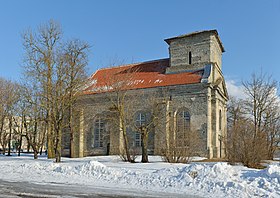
98 132
140 119
183 126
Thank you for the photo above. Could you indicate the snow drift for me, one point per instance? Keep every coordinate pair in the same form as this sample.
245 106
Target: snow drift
202 179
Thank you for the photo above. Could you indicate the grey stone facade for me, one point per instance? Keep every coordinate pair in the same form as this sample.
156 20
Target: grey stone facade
205 102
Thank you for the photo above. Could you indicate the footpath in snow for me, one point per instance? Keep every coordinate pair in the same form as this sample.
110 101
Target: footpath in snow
198 178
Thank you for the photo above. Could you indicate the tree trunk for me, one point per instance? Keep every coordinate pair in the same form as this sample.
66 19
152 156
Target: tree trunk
58 147
126 147
10 137
58 153
271 150
41 150
144 135
72 146
19 145
35 153
58 156
51 153
43 143
28 147
50 135
125 139
4 150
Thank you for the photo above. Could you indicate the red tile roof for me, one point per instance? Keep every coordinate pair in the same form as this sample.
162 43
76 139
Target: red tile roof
138 76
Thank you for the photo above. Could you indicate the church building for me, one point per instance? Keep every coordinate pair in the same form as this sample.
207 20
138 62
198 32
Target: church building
188 86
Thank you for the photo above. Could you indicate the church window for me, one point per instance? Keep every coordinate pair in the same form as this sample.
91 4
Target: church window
140 121
138 141
183 127
190 58
99 130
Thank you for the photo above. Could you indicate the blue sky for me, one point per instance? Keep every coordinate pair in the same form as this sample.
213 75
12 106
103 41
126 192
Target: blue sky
134 31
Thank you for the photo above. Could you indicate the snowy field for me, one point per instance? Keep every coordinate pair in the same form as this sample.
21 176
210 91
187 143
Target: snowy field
198 178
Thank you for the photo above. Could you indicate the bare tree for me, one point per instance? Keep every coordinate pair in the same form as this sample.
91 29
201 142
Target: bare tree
75 58
3 114
149 117
272 130
253 132
35 129
41 60
120 107
240 133
236 115
262 106
59 69
8 98
182 151
19 129
33 117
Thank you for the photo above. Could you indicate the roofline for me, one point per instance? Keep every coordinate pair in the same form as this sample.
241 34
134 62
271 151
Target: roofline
168 40
132 64
131 89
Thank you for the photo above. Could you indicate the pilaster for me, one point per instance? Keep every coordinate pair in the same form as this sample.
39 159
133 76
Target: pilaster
209 123
81 136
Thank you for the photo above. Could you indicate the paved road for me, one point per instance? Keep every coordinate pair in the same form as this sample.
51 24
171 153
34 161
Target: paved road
54 190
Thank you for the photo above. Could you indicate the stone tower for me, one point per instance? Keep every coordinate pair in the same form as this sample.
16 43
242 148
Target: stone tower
194 51
199 51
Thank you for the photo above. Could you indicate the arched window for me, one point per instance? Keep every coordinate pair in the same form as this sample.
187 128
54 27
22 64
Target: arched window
183 119
140 119
220 120
99 131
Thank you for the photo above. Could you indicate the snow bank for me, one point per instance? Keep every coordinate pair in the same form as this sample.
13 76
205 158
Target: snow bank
203 179
273 171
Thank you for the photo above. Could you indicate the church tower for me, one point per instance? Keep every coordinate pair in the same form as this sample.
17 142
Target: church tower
202 51
195 50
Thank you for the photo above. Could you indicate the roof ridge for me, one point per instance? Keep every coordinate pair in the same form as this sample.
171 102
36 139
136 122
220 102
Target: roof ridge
133 64
198 32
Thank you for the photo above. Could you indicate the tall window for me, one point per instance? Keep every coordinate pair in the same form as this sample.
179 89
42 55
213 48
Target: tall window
138 141
140 121
190 57
99 130
183 127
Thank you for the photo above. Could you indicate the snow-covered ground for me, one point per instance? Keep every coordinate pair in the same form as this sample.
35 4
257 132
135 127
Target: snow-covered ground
198 178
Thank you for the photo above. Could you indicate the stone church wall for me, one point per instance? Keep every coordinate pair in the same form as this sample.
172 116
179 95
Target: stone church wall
192 97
